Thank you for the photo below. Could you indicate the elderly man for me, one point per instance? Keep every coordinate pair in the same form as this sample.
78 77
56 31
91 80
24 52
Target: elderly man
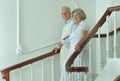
63 44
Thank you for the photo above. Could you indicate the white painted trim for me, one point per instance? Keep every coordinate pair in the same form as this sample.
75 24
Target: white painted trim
18 49
38 48
107 40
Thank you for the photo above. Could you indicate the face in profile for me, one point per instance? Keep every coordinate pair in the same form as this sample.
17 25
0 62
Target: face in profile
65 14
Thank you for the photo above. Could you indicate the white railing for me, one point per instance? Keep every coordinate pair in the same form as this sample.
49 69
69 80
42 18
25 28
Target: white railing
42 70
107 40
107 46
115 35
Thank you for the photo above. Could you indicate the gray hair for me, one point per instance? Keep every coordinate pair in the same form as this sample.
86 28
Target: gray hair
67 8
80 12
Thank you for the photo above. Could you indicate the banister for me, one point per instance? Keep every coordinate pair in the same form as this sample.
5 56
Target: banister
6 76
114 8
104 35
109 10
5 72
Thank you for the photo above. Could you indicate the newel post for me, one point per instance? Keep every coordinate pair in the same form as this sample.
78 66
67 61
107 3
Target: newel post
5 75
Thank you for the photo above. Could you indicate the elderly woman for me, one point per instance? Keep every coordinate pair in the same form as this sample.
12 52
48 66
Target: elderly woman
78 35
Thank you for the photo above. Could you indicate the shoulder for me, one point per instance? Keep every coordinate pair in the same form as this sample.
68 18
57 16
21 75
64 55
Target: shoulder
83 25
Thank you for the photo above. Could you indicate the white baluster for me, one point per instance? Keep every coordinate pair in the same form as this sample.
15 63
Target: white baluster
85 76
81 64
115 34
119 43
78 76
20 74
31 68
99 51
111 46
90 60
72 76
53 68
69 76
107 40
42 70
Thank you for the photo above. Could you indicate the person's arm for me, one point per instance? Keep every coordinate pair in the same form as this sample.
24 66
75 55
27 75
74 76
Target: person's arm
65 40
83 37
57 48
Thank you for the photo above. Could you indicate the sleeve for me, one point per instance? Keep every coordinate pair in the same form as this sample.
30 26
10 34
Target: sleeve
66 41
84 26
72 27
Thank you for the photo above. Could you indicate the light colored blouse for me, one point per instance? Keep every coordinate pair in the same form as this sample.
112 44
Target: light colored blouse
75 36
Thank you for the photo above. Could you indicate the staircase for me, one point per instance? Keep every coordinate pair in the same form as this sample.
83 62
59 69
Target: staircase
110 71
46 66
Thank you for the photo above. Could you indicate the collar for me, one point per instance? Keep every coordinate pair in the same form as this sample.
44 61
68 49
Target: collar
67 21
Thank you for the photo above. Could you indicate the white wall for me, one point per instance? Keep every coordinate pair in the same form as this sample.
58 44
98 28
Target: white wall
89 8
33 34
7 32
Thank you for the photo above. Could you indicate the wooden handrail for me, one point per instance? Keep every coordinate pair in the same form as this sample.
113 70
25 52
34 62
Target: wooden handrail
5 72
70 61
105 35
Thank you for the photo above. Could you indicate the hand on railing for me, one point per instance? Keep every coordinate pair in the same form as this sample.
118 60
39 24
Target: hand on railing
77 48
56 50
